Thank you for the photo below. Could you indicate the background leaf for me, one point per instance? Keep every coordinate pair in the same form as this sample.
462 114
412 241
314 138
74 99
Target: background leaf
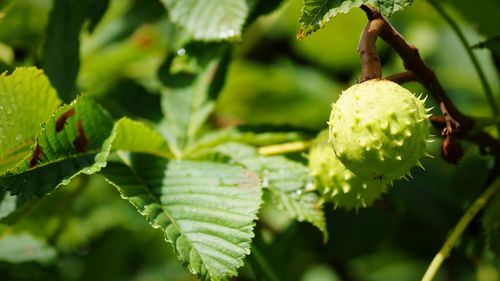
317 13
23 23
288 181
483 14
24 247
61 51
254 90
187 107
26 100
210 20
205 209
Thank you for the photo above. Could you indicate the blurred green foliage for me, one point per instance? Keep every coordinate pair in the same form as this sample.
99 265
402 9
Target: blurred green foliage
131 51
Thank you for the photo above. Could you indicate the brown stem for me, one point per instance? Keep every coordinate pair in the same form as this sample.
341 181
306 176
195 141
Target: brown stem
455 120
370 62
402 77
486 143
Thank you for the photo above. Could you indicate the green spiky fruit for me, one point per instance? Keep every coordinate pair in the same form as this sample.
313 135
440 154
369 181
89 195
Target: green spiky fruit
337 184
379 130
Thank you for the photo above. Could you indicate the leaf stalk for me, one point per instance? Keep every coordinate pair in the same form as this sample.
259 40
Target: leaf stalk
284 148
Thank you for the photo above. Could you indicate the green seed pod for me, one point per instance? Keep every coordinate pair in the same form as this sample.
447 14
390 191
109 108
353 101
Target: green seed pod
379 130
337 184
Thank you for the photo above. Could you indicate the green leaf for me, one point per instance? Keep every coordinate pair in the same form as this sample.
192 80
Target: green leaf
61 51
26 100
317 13
134 136
24 247
210 20
23 24
491 225
81 144
186 108
288 181
65 147
207 210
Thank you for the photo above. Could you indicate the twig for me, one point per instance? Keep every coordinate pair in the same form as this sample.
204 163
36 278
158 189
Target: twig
412 61
459 229
370 62
402 77
486 143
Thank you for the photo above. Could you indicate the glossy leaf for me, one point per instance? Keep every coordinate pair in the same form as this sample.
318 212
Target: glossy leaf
26 100
210 20
207 210
317 13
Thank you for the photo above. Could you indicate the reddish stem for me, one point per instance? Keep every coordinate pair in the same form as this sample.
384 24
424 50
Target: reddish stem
413 62
486 143
370 62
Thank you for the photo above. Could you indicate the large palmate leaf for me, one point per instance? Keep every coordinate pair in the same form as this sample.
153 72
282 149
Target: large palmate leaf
207 210
210 20
26 100
317 13
288 181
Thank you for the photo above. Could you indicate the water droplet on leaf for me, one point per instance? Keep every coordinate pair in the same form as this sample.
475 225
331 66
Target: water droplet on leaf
181 52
